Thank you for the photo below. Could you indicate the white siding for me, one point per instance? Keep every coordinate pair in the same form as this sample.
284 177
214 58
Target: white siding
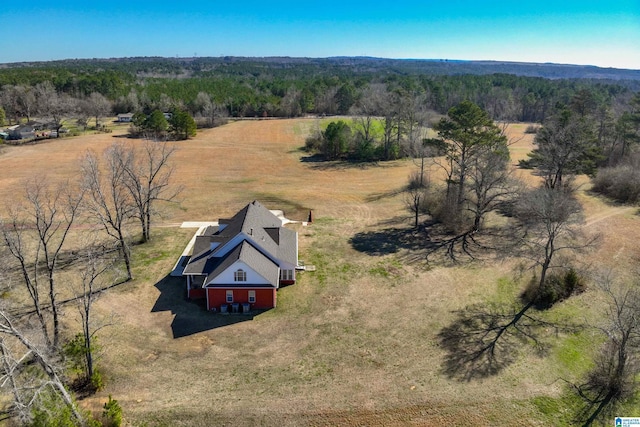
226 277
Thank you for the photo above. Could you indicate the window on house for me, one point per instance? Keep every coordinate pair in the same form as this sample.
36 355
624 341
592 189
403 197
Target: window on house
286 274
252 296
240 276
229 296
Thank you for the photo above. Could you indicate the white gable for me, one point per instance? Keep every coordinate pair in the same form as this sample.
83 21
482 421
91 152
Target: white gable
227 276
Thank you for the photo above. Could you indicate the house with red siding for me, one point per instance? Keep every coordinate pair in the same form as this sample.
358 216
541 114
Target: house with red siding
239 264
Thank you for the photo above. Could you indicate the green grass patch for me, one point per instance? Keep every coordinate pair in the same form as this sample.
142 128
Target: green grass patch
157 257
391 269
547 405
574 353
558 411
243 181
568 409
506 291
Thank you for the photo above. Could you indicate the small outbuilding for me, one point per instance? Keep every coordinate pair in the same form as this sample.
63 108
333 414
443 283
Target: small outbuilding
124 118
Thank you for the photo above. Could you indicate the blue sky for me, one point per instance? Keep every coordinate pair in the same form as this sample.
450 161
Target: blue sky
605 33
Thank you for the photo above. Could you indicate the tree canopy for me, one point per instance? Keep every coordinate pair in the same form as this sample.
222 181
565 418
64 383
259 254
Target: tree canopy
182 125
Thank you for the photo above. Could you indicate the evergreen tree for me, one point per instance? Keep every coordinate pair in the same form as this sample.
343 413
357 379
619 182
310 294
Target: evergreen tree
182 125
467 132
565 145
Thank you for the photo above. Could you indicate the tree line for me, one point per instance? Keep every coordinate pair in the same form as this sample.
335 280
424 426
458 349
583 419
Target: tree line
294 88
388 123
53 263
23 103
538 224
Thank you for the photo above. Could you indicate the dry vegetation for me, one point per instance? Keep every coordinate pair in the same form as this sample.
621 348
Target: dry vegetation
354 343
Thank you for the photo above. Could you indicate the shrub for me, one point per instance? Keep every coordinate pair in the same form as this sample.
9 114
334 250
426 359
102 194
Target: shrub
96 380
313 143
531 129
556 288
50 411
112 413
621 183
75 352
365 150
336 140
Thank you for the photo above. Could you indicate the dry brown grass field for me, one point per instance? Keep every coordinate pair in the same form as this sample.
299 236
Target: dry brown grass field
353 343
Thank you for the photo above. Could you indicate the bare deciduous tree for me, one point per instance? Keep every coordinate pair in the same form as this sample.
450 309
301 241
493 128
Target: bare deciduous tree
26 100
109 199
9 100
365 111
490 183
417 186
482 340
53 105
97 106
548 220
148 174
290 102
207 107
614 377
94 266
18 350
18 101
45 220
391 130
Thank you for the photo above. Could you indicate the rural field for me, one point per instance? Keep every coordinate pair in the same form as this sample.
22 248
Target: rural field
353 343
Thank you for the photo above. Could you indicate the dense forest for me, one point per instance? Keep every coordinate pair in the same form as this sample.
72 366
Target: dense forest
287 87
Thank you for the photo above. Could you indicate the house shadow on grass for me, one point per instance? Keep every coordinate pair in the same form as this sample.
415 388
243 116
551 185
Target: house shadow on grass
191 316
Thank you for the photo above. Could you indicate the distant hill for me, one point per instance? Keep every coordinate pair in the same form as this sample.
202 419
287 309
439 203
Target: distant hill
547 70
352 64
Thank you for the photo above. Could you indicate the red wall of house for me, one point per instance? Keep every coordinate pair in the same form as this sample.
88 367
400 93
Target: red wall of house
197 293
265 298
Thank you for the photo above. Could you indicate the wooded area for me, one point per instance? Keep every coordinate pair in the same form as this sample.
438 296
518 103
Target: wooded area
455 124
286 87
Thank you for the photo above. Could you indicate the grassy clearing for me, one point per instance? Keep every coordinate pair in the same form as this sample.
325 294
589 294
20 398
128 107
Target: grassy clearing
353 343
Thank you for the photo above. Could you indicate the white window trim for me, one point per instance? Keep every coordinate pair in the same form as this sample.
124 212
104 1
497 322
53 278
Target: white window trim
286 274
229 295
239 275
252 297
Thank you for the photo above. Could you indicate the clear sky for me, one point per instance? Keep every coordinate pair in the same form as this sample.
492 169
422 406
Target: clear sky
605 33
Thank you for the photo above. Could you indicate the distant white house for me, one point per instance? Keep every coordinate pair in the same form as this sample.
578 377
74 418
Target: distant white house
28 130
125 118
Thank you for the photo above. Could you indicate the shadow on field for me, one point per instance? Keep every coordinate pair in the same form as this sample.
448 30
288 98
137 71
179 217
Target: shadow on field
190 317
319 162
486 338
388 241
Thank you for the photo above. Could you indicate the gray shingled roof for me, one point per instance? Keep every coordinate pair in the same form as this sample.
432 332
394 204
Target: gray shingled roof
262 227
251 256
288 248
